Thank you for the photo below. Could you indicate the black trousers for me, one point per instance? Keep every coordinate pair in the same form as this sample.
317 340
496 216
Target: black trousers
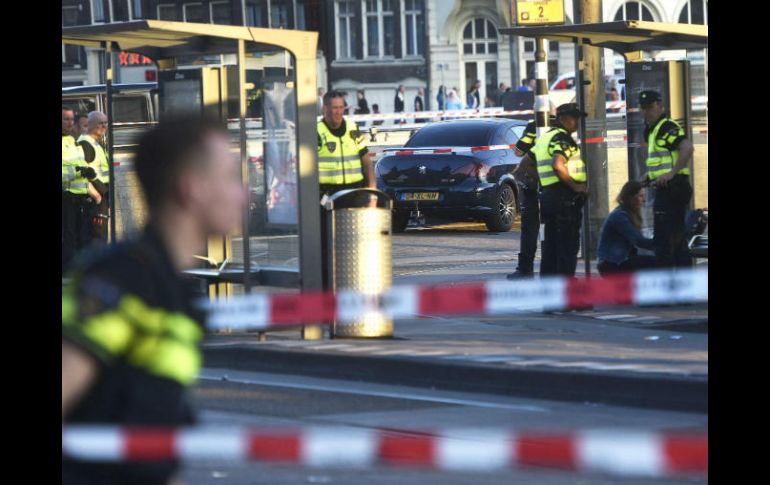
77 233
670 210
561 211
100 220
530 227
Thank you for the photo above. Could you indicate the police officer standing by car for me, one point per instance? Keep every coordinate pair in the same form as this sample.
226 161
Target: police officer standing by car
668 155
343 157
563 180
526 178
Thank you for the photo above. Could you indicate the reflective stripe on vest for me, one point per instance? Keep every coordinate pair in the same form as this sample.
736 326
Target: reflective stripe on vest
156 340
576 168
342 165
575 165
659 160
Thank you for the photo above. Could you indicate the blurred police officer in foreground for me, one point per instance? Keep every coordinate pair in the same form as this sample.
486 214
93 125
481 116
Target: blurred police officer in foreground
130 335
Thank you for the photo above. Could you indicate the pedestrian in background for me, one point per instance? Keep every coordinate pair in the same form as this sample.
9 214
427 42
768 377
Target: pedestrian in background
453 101
419 104
376 111
441 98
398 102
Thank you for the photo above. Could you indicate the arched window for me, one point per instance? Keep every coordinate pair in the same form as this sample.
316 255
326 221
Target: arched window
480 37
634 11
694 12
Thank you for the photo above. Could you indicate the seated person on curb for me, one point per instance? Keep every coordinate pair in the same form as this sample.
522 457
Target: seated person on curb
621 234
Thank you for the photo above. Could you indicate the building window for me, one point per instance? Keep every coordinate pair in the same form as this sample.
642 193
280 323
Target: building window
136 9
193 12
281 14
634 11
529 46
256 14
220 13
167 12
553 46
480 37
69 16
413 27
379 27
97 11
346 34
694 12
121 10
72 56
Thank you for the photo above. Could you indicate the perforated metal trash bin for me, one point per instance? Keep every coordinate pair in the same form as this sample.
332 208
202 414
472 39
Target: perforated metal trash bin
359 254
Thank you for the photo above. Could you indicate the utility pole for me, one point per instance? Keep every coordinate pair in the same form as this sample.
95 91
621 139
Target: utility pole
589 90
542 105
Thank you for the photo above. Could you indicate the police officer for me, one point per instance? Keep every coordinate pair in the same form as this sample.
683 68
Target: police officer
130 334
563 180
668 155
97 127
77 204
343 158
527 180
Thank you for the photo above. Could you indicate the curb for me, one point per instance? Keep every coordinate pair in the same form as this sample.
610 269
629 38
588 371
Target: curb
673 393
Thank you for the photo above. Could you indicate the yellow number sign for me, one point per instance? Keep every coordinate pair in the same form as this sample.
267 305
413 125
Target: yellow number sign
538 12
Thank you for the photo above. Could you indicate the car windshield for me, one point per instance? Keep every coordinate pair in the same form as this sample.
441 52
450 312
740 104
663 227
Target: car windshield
465 134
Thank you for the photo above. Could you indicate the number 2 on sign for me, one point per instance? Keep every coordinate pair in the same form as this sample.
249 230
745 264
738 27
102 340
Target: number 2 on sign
541 11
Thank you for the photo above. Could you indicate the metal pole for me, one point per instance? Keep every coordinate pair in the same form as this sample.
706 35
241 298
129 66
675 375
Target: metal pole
542 104
110 138
515 71
580 98
591 98
244 161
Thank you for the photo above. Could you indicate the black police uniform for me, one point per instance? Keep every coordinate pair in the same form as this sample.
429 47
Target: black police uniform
561 210
670 203
529 205
129 309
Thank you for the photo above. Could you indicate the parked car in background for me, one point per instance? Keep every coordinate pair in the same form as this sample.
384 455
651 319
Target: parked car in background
457 170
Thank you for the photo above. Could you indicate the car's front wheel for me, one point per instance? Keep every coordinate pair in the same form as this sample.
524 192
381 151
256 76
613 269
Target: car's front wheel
501 219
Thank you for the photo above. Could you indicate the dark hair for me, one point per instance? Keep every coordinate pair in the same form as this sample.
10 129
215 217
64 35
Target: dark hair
168 150
629 191
80 115
64 108
375 106
333 94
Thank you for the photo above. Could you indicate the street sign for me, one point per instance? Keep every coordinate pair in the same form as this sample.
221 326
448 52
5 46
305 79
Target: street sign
538 12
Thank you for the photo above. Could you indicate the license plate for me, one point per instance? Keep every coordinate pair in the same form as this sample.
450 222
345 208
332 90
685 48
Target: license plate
421 196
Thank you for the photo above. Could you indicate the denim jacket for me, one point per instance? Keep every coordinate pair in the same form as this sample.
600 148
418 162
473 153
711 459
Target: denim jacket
618 238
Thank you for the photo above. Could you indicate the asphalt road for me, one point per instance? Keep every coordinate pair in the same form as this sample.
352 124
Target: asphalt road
259 399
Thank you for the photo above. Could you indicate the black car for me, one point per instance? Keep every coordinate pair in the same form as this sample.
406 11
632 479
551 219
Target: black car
472 181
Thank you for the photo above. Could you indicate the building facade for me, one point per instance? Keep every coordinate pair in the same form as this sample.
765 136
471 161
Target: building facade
377 45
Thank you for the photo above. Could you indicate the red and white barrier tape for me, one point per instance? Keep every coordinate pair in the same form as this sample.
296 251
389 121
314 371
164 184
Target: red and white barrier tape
496 297
620 452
